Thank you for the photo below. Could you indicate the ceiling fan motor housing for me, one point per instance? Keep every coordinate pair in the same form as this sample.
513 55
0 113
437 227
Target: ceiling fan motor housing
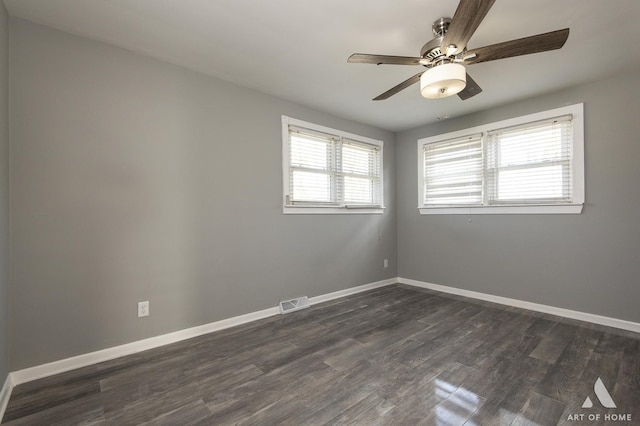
431 50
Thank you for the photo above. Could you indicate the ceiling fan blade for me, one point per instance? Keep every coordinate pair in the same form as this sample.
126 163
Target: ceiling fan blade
464 23
471 89
409 82
522 46
365 58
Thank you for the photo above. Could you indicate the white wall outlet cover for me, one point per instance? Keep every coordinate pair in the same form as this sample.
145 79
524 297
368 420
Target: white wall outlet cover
143 309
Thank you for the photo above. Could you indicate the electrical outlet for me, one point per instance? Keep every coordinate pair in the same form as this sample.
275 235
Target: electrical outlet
386 263
143 309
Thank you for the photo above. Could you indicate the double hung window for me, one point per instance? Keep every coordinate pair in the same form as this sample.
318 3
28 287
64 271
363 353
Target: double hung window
330 171
532 164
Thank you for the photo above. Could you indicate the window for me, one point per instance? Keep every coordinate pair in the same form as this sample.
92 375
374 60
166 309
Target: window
330 171
531 164
453 171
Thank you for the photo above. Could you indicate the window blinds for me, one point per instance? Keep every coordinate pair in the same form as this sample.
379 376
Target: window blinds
328 169
312 166
531 163
453 172
360 173
528 164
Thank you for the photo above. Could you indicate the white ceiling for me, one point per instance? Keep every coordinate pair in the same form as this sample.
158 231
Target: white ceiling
298 49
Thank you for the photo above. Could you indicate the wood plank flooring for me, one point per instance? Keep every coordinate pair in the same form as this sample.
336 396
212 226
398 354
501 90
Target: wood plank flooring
397 355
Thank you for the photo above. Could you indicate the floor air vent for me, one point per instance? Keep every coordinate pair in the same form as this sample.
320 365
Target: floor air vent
287 306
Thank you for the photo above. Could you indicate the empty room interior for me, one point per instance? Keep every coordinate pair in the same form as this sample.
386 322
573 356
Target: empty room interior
365 212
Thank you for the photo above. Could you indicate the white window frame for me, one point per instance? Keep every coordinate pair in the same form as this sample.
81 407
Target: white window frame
577 165
319 208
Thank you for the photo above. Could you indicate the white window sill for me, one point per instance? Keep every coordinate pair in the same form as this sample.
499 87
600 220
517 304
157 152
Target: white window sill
331 210
549 209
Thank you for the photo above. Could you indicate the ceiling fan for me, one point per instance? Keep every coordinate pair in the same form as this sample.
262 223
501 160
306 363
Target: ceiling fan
446 55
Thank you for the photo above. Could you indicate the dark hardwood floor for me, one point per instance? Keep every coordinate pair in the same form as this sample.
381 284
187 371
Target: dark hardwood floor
397 355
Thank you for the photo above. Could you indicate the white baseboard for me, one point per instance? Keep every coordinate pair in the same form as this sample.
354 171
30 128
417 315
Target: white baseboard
56 367
5 394
67 364
350 291
567 313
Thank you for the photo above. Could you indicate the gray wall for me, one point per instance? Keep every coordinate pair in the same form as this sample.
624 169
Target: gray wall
133 179
588 262
4 192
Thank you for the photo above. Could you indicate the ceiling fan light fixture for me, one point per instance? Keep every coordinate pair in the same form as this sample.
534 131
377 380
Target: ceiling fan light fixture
443 80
